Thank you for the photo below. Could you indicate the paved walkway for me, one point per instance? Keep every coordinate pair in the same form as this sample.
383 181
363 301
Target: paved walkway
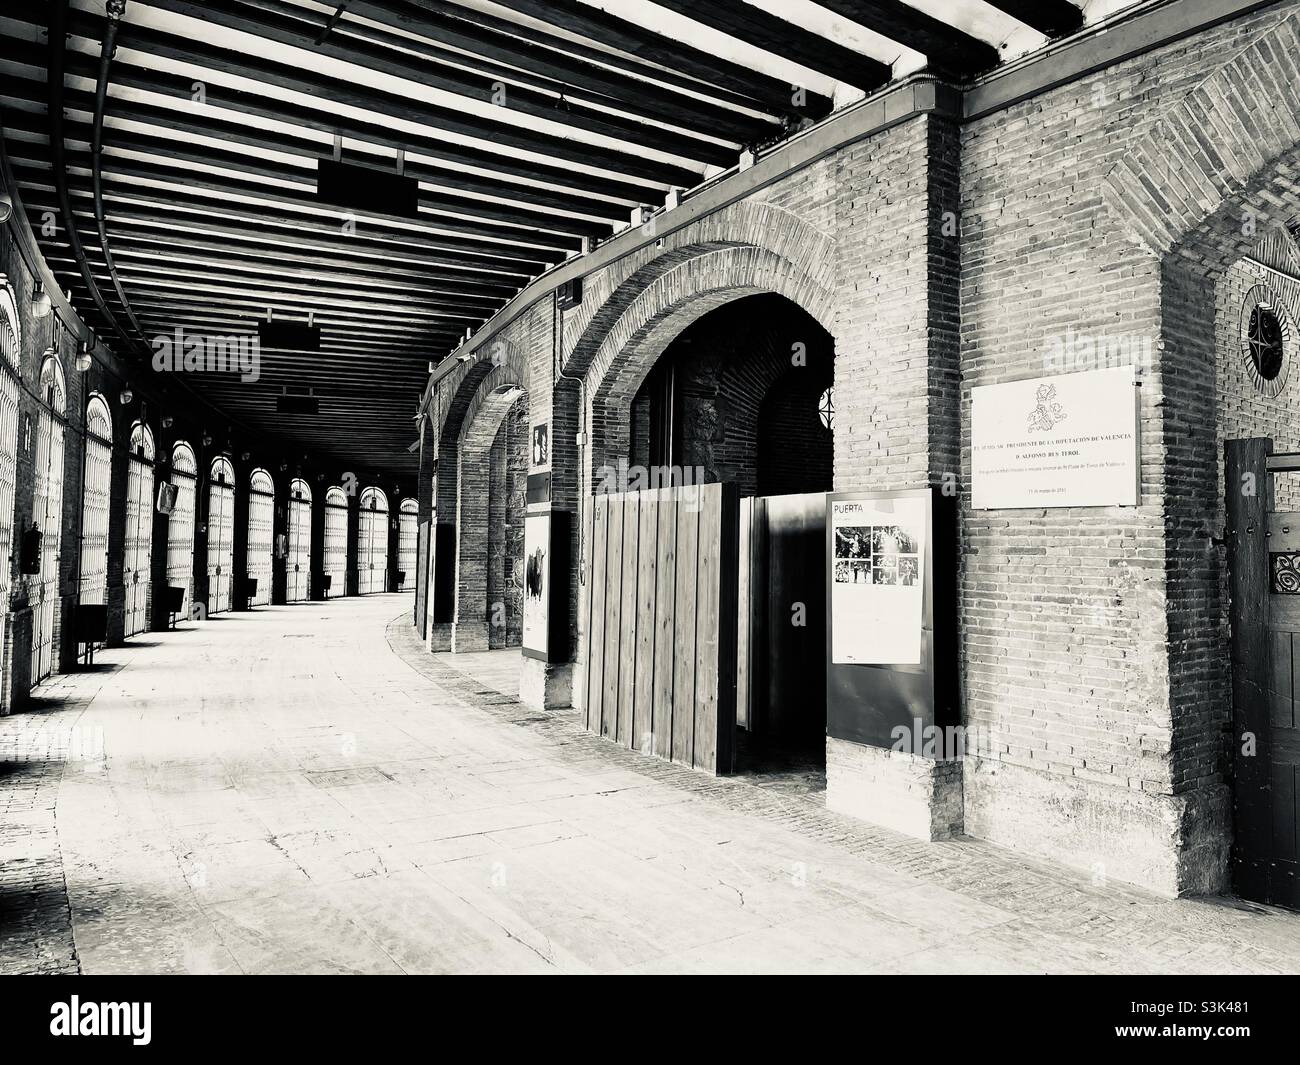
302 789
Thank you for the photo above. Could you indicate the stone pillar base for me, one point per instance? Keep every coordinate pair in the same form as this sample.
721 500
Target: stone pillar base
439 638
919 797
1169 844
545 685
469 636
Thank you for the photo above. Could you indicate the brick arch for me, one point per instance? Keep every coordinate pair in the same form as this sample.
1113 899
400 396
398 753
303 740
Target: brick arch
482 423
480 379
1229 146
666 306
783 234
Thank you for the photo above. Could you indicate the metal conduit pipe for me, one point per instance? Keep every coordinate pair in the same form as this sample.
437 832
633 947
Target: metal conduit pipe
54 77
114 9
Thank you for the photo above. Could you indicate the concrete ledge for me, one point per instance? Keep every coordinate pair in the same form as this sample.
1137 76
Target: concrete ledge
919 797
1170 844
545 685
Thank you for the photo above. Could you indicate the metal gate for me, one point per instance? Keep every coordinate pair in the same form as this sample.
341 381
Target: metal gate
221 533
335 554
1264 615
372 542
9 372
139 529
180 525
261 518
408 541
47 510
297 564
96 487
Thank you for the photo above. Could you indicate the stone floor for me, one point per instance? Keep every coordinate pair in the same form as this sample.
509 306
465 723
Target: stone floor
302 789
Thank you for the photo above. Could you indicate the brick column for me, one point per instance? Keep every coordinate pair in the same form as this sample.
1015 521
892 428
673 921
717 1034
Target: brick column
116 595
239 553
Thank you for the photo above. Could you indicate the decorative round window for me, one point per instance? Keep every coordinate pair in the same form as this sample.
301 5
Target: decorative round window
826 408
1268 340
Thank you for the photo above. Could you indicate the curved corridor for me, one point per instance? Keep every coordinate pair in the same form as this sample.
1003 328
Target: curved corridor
304 789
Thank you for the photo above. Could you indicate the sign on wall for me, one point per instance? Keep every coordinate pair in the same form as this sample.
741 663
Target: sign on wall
878 580
1065 441
537 585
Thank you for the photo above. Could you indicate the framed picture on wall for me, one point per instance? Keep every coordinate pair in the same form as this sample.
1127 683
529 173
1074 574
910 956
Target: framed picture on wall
537 585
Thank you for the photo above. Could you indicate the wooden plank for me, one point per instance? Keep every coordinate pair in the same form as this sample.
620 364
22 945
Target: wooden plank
613 609
687 505
708 611
596 643
586 561
642 725
627 657
728 575
744 611
1248 564
661 725
1281 685
1284 811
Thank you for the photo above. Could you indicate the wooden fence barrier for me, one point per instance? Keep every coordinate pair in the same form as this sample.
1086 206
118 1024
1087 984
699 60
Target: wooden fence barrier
658 671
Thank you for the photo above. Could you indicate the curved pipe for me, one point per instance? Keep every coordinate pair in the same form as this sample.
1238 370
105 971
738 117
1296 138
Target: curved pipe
54 79
114 9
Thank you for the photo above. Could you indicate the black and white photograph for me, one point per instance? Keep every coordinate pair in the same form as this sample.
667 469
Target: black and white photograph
648 488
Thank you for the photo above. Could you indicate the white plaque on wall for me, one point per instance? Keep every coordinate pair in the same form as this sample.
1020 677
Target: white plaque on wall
1065 441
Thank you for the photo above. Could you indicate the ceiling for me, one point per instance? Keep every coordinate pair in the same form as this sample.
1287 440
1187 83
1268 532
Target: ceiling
529 125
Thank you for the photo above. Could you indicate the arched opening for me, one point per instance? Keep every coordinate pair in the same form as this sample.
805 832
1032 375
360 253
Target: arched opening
261 533
407 543
297 563
10 386
96 488
741 393
372 542
221 534
180 523
47 510
491 488
139 529
335 548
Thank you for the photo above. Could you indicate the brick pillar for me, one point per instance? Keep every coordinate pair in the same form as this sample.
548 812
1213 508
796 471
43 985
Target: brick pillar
239 554
116 596
158 616
351 583
424 496
279 528
318 488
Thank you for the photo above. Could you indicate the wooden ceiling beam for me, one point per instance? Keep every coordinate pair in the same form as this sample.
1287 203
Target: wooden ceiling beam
578 76
392 105
434 73
786 39
948 49
1055 18
597 25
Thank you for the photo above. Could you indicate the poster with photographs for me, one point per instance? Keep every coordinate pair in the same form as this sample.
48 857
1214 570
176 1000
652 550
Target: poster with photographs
537 578
877 588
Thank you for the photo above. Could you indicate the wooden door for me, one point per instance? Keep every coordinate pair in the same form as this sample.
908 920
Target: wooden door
1264 616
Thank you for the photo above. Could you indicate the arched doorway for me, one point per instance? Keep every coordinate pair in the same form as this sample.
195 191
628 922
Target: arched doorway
180 525
297 564
372 542
47 510
261 532
407 542
491 481
335 547
139 529
221 534
96 489
10 385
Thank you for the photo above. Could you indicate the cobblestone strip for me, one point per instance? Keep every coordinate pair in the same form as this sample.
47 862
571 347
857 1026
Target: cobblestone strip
1108 919
36 744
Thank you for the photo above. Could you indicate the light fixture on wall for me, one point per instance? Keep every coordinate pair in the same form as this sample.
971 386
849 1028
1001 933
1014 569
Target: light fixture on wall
6 205
41 303
207 439
167 421
244 456
85 358
126 395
